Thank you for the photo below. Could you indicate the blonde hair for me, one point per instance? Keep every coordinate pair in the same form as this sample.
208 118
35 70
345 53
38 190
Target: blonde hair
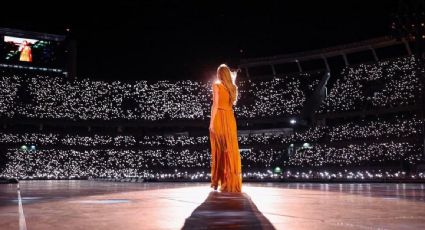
225 76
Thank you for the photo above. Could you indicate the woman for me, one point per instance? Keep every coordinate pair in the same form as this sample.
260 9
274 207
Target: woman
25 50
225 159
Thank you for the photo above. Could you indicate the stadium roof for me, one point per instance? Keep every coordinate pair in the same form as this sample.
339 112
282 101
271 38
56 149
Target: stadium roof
38 35
323 53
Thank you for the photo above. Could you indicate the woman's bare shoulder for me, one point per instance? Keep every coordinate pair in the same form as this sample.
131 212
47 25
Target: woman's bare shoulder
216 83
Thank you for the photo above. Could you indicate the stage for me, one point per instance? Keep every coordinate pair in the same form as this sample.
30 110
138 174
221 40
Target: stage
108 205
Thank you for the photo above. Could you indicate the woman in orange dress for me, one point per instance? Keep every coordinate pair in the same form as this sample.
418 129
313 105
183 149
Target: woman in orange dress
226 169
26 54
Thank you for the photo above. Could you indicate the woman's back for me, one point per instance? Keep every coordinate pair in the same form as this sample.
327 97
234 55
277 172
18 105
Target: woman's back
223 97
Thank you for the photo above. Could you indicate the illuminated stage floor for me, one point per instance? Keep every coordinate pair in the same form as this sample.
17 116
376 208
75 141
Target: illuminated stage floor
107 205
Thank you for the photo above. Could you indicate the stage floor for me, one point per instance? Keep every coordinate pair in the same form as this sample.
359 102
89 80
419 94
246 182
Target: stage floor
107 205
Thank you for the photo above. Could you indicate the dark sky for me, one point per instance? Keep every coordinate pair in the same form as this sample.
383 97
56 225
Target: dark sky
188 39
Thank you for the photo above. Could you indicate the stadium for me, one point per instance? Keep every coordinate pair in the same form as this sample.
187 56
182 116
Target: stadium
319 130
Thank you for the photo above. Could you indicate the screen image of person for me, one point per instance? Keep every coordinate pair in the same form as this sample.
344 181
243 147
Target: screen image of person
26 54
21 48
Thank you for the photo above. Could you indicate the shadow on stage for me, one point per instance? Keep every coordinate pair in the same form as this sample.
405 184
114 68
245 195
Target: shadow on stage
227 211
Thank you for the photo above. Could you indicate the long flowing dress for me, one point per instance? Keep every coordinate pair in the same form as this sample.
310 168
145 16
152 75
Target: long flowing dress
226 169
26 54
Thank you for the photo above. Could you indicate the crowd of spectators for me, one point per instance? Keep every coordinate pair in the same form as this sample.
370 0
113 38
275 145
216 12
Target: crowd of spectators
47 97
350 143
385 84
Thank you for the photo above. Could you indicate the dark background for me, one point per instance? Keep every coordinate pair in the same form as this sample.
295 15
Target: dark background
188 39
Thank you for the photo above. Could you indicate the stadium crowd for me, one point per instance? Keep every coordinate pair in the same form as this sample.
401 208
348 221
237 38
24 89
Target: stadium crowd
348 143
386 84
49 97
365 129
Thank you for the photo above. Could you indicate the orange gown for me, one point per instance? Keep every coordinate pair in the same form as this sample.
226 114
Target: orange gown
226 166
26 54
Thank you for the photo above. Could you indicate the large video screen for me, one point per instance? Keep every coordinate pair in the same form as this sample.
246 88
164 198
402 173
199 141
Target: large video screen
31 52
